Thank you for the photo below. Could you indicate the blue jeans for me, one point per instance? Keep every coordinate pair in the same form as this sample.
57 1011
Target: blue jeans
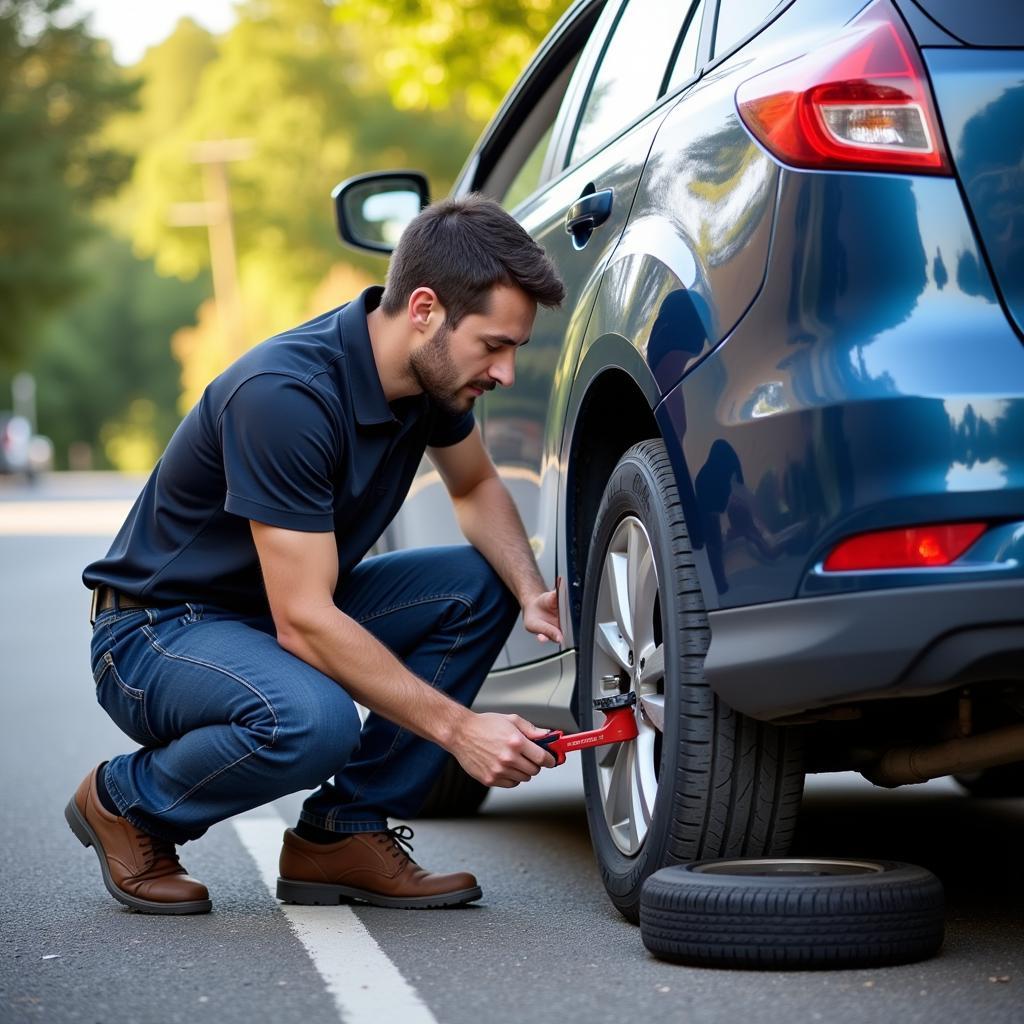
228 720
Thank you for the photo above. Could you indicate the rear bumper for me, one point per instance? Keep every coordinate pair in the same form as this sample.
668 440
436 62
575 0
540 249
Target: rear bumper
782 658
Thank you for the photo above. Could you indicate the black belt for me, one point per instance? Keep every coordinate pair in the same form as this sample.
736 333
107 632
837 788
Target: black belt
104 598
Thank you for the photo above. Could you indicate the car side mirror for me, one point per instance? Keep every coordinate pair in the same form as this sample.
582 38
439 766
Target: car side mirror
372 210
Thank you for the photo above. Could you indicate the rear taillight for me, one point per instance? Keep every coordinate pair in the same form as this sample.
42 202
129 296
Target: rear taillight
861 102
916 547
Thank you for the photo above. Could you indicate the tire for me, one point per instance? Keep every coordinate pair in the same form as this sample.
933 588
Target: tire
455 794
816 913
1006 780
710 782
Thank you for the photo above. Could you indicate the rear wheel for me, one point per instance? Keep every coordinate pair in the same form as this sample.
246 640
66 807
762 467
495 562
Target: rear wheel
700 780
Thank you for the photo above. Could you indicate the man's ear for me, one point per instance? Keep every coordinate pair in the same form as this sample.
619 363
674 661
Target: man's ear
425 310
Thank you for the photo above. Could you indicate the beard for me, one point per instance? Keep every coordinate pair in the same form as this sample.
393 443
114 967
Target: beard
434 370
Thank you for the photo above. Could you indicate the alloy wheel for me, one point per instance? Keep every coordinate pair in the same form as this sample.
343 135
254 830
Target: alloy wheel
629 654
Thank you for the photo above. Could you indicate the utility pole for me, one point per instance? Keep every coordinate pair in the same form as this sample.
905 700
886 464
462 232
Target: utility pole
215 215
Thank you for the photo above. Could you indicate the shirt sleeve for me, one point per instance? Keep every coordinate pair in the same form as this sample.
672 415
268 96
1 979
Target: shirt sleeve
449 428
281 452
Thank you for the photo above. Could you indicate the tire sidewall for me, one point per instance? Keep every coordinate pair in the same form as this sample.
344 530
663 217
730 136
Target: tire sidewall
694 876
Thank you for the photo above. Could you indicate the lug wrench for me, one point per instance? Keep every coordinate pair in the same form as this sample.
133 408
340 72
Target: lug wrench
619 726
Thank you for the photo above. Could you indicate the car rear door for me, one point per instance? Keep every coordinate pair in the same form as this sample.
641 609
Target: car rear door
596 154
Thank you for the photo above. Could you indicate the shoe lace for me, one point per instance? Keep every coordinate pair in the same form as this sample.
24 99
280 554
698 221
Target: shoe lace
157 850
400 836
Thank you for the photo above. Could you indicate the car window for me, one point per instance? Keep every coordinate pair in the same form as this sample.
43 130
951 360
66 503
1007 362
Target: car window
517 170
685 63
738 17
528 176
629 76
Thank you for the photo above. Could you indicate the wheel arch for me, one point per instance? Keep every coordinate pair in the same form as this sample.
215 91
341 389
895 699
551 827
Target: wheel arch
611 409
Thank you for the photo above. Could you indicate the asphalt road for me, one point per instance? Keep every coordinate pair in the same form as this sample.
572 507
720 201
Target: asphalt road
544 943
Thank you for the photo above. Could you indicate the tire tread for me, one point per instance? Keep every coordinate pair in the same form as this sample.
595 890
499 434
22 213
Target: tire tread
810 925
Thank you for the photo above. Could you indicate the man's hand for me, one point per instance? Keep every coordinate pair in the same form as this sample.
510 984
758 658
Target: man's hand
496 749
540 615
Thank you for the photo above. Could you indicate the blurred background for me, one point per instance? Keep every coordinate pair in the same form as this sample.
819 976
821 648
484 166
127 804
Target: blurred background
165 178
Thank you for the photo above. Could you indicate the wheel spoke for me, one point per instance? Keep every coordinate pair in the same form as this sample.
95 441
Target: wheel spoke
634 553
644 784
610 640
618 592
635 812
643 595
617 804
654 665
653 706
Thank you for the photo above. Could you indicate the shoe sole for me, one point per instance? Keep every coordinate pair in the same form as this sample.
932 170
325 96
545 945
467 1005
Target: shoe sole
87 837
314 894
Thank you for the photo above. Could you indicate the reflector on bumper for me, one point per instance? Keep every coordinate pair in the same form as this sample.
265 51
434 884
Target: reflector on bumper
912 547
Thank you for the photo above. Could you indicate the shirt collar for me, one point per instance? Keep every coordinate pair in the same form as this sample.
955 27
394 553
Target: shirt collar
368 400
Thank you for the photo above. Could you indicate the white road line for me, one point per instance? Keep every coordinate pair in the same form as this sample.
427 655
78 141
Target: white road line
366 986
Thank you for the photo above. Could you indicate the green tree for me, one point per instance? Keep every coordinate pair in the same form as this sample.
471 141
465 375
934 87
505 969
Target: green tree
104 367
462 53
57 85
307 83
294 81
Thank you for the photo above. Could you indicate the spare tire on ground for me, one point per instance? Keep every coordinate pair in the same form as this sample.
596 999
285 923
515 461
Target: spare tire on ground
792 914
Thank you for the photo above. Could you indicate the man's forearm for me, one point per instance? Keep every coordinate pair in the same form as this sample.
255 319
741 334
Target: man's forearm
300 573
339 647
490 521
494 749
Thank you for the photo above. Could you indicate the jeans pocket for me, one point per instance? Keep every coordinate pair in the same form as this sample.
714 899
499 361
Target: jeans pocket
125 705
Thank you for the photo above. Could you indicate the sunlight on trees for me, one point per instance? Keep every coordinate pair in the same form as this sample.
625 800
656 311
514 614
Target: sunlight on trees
323 89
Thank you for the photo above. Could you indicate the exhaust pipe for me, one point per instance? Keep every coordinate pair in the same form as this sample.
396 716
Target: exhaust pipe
907 765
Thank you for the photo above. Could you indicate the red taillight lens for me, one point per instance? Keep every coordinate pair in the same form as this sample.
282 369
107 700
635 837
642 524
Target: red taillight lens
860 103
916 547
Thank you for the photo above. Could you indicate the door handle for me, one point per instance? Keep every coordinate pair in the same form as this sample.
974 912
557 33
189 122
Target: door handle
588 212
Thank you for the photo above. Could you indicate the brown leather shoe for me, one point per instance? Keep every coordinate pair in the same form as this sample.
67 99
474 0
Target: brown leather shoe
369 866
139 870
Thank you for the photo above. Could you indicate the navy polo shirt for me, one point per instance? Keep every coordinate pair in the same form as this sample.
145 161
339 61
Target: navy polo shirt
297 433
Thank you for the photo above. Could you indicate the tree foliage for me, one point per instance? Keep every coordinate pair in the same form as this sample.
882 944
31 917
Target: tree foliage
105 371
290 78
57 86
435 55
321 89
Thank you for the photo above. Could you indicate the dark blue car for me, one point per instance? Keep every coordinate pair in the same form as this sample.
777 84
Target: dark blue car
774 441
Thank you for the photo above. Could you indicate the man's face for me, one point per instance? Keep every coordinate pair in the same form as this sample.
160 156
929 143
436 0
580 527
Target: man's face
455 366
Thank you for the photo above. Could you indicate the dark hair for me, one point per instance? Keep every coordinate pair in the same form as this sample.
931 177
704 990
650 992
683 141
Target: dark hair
461 248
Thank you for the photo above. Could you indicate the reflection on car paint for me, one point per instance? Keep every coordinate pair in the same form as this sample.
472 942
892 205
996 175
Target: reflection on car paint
868 337
981 95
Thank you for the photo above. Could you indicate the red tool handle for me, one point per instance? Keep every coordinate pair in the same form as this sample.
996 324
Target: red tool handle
619 726
547 742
